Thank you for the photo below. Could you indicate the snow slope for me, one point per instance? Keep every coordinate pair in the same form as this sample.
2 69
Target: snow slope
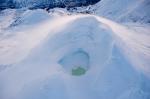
124 10
118 63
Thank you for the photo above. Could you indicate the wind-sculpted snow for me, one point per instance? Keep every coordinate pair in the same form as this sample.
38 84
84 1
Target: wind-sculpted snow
39 54
138 43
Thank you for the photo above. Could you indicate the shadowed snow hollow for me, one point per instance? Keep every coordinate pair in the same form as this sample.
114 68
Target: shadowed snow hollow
76 63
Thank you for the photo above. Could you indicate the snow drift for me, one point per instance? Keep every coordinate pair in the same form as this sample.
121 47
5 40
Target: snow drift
39 50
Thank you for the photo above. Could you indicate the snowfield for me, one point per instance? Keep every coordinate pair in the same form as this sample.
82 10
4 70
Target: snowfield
135 11
39 51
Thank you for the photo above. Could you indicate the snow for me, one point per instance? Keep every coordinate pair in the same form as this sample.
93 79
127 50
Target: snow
6 18
38 50
124 10
78 59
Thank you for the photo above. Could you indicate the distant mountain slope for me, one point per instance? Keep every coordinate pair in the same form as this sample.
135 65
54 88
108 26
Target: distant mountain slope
124 10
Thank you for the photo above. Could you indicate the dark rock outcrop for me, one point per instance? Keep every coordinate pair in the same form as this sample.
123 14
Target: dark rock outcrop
34 4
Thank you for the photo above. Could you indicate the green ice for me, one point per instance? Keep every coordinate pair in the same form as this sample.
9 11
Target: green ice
78 71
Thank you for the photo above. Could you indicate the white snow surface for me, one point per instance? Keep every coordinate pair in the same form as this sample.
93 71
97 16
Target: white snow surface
31 48
124 10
